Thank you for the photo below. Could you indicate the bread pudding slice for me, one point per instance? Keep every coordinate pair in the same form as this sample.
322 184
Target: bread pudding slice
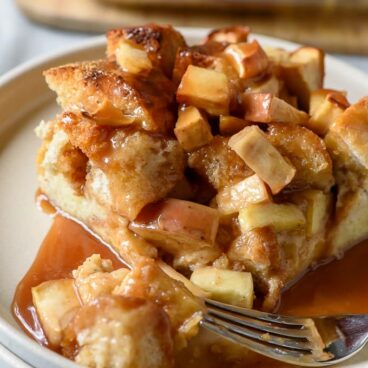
209 163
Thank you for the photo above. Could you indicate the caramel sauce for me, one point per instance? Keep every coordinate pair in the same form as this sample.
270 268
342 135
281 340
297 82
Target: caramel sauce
65 247
338 287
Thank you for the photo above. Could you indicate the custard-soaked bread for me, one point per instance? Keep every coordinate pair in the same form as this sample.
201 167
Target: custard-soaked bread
218 163
149 282
116 331
259 252
308 154
347 142
160 43
134 167
239 189
104 92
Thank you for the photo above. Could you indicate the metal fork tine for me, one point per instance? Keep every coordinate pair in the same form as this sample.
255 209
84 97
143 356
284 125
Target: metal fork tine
261 325
264 337
276 353
268 317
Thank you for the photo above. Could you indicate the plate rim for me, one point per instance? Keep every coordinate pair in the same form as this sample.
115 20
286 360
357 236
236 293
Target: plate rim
16 339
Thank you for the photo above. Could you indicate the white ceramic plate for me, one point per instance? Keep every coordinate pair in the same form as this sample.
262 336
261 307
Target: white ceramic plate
9 360
24 101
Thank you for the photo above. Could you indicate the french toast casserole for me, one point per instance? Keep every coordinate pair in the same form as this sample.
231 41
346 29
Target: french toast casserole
220 170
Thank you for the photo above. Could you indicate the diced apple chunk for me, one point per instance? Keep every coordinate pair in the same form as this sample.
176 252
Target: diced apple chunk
327 112
133 59
233 198
206 89
53 300
176 225
227 286
318 208
304 73
279 216
248 59
233 34
262 157
230 125
266 108
192 129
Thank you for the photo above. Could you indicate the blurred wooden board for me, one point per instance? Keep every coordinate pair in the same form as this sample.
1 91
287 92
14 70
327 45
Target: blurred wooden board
326 6
259 5
346 33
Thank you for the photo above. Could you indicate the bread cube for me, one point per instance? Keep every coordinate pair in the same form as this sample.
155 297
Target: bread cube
306 152
280 216
266 108
327 111
218 164
234 34
227 286
233 198
192 129
53 301
351 134
151 283
133 59
206 89
101 90
117 331
96 277
304 73
160 42
262 157
248 59
258 251
230 125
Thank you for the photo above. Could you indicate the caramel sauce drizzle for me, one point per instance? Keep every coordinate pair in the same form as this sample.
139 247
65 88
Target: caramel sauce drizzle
338 287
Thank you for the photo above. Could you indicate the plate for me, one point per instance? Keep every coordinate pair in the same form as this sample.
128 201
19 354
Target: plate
24 101
9 360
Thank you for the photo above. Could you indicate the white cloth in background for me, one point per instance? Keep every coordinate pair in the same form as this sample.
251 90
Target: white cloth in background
21 40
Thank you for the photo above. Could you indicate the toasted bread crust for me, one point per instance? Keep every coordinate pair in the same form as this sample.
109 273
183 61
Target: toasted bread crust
144 101
308 154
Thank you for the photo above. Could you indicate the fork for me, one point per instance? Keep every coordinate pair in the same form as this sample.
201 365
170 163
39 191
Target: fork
309 341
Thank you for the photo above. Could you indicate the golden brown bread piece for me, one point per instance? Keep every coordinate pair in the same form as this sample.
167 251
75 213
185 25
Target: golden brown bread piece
218 163
232 34
258 252
102 91
147 281
308 154
137 168
350 133
123 332
347 143
161 43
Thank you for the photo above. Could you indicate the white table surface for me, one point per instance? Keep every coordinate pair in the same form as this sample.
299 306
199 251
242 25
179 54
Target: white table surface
21 40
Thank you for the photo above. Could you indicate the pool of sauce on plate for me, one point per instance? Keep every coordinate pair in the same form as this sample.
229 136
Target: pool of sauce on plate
65 247
338 287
